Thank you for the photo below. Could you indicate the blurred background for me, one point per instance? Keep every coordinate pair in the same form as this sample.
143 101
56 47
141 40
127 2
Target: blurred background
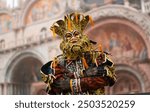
26 43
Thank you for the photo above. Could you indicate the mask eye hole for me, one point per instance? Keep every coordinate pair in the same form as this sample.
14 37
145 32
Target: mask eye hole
68 35
76 33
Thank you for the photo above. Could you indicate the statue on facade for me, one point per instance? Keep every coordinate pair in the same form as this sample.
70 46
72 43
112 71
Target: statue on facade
80 69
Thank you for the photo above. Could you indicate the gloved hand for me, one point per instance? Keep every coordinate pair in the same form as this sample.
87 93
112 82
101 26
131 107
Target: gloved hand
96 71
61 84
91 71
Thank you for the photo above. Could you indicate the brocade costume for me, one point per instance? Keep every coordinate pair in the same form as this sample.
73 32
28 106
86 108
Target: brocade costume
81 69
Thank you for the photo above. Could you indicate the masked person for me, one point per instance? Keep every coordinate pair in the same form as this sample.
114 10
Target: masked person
80 69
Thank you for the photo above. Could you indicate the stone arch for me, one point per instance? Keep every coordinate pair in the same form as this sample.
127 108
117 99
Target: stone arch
19 56
23 70
111 11
129 81
32 3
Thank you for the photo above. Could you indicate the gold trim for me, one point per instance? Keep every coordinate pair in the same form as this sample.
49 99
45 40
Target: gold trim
42 73
71 85
44 76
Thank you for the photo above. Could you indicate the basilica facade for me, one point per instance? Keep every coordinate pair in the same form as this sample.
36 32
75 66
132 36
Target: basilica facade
26 43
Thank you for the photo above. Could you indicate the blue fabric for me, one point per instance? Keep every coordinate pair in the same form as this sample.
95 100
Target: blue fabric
46 68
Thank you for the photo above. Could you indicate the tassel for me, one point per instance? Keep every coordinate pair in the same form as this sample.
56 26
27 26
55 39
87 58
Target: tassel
69 24
76 16
96 63
84 63
71 86
53 31
91 21
100 48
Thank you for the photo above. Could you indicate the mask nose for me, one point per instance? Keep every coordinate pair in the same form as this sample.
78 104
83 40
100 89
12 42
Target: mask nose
73 39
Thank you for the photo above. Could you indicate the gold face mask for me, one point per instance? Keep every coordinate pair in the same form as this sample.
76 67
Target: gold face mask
74 43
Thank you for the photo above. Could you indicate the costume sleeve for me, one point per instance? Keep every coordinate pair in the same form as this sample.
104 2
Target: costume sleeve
51 75
48 70
48 75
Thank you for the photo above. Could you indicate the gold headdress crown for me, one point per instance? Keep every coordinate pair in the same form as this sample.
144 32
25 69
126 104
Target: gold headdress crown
73 21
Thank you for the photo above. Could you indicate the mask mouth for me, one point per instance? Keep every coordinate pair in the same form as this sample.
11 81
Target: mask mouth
76 49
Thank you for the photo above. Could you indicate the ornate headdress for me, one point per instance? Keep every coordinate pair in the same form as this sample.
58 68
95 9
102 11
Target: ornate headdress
73 21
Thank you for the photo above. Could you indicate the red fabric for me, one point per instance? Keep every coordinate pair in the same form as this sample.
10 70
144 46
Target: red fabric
92 83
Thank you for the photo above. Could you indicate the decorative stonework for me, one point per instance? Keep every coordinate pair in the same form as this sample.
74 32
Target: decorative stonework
123 12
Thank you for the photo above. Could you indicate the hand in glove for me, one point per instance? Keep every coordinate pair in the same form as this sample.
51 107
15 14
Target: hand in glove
61 85
96 71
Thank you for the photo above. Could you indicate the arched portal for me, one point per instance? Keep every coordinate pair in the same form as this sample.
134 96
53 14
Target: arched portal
127 83
24 71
